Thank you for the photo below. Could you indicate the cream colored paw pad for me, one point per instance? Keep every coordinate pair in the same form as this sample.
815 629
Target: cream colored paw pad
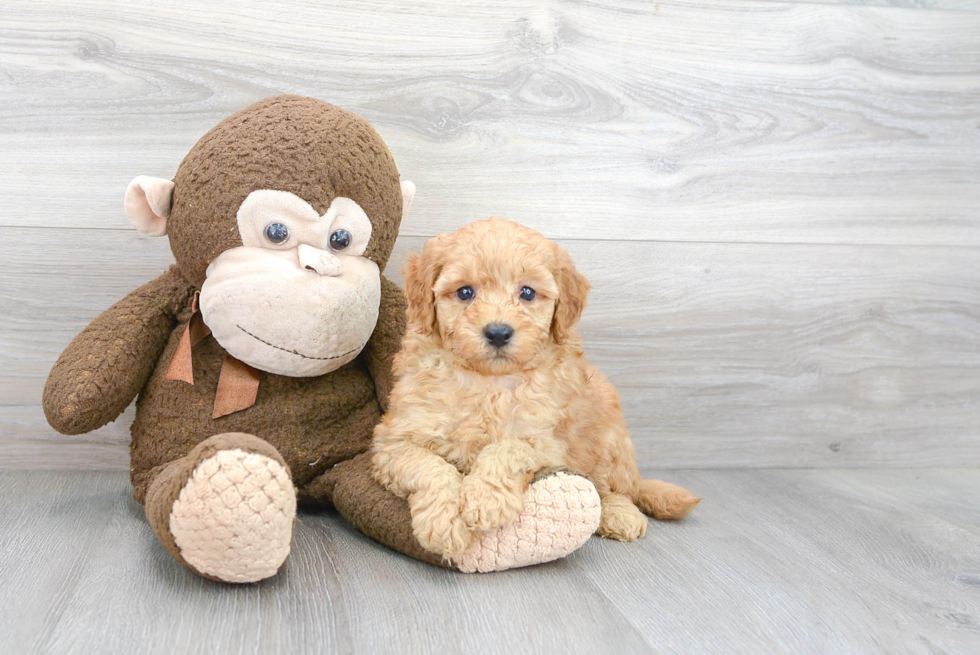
234 517
560 513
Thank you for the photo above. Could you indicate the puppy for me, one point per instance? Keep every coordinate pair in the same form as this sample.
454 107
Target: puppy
492 386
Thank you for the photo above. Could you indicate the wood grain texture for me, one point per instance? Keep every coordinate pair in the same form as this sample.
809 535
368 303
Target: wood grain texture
726 355
719 120
772 561
933 5
776 201
27 442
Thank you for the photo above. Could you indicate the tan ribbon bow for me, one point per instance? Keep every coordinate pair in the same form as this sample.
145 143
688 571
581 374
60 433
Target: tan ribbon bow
238 383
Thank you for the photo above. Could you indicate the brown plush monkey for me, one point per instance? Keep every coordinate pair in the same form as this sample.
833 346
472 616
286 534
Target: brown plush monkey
262 359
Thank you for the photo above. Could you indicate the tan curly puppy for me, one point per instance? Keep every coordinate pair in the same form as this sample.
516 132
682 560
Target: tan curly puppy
492 387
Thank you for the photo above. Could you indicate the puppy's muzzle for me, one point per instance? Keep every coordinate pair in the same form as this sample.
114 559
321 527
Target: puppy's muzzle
498 334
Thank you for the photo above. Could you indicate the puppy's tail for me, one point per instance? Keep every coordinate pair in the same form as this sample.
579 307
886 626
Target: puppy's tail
663 500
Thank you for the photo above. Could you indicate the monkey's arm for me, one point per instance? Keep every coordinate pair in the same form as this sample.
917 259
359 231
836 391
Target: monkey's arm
387 339
108 363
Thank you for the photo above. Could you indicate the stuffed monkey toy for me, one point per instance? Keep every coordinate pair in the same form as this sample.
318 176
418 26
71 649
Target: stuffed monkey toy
262 359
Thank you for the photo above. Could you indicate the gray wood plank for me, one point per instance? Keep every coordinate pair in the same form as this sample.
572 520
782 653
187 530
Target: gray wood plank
27 442
772 561
934 5
711 121
726 355
812 562
949 494
51 527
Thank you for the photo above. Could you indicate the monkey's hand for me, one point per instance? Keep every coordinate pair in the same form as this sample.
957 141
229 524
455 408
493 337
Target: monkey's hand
108 363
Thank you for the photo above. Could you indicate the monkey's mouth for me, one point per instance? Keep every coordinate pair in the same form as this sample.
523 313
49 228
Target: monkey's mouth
297 353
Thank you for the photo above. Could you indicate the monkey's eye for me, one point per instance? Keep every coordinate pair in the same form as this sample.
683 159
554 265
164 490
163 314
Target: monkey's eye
465 293
276 233
527 293
340 239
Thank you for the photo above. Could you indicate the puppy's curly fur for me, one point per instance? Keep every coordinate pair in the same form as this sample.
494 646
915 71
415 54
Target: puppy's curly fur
469 423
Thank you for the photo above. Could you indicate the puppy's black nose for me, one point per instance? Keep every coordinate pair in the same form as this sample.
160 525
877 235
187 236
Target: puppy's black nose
498 334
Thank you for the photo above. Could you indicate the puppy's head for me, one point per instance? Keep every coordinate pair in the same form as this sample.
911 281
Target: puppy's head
495 293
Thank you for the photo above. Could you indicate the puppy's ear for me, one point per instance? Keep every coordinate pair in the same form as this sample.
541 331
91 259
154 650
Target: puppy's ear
573 289
421 273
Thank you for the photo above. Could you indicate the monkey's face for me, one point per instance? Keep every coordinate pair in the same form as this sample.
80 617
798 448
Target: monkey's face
283 214
297 298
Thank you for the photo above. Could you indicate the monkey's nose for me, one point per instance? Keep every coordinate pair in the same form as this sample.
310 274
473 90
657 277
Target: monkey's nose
498 334
319 261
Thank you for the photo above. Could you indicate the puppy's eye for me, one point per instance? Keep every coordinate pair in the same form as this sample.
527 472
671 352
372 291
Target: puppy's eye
527 293
277 233
465 293
340 239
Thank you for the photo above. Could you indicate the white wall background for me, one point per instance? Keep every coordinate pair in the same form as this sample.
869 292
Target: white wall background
778 203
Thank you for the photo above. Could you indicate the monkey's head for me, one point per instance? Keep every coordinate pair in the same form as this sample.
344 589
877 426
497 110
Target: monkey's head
284 215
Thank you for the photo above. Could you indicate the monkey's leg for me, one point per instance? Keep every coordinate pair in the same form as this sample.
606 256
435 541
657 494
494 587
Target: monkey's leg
226 510
561 511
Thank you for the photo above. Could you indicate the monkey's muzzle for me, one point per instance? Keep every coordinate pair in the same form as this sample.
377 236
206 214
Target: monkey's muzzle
278 312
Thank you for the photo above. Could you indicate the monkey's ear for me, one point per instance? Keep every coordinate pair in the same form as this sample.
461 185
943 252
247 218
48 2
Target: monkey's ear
148 204
421 273
573 289
408 194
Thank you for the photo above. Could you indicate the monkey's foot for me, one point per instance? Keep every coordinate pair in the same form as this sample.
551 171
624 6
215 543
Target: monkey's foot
561 511
226 511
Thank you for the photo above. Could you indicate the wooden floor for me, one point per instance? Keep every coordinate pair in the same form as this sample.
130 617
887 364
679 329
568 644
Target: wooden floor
799 561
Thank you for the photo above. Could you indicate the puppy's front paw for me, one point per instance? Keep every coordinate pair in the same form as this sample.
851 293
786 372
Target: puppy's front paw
484 506
437 524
